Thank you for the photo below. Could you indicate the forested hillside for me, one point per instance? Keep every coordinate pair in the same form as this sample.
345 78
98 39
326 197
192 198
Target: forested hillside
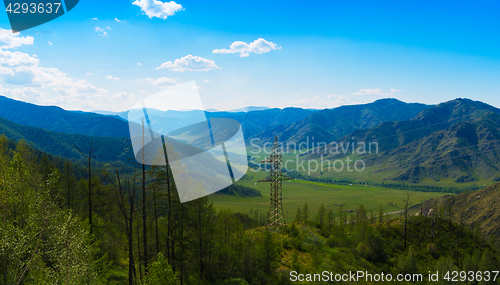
67 145
119 227
56 119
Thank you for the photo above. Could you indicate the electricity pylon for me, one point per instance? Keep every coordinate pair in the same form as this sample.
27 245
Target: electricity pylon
276 213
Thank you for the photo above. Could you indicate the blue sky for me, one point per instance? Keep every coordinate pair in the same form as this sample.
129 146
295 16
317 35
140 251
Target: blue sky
310 54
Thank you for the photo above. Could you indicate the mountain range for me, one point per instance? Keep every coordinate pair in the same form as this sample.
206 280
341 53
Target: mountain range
455 141
329 125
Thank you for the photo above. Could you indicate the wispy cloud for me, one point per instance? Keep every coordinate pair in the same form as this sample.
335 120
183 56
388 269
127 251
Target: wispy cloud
102 31
109 77
377 91
393 90
88 74
189 63
162 81
158 9
258 46
50 43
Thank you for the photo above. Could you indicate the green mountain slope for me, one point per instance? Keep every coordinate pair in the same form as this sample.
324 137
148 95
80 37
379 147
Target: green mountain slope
390 135
61 144
59 120
331 124
479 209
457 141
467 151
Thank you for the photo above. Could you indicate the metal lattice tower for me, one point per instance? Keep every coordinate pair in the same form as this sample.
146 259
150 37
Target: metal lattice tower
276 213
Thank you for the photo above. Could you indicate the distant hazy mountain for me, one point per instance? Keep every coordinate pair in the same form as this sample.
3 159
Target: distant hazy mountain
59 120
253 122
249 109
331 124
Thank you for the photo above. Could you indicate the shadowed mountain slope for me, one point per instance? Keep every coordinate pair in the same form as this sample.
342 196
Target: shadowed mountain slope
59 120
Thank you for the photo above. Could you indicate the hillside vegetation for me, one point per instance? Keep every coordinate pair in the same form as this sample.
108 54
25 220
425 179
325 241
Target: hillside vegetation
454 142
479 210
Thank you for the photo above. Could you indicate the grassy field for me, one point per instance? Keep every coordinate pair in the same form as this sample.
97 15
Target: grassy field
297 192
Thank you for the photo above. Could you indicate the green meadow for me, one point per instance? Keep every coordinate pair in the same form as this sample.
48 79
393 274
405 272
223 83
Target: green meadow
297 192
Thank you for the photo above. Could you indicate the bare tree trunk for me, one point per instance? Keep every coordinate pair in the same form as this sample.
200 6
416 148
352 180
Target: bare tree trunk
144 224
89 157
406 216
139 250
90 192
182 245
156 222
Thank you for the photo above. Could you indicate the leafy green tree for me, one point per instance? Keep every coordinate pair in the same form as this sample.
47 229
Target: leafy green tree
321 215
160 273
407 262
305 212
299 216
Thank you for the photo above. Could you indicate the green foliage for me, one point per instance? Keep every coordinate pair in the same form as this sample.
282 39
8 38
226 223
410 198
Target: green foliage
305 212
39 241
160 273
407 262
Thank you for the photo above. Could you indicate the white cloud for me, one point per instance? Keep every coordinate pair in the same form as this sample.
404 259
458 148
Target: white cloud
109 77
318 102
45 85
8 39
207 81
101 31
231 105
158 9
116 19
95 19
258 46
377 91
17 68
138 63
22 93
50 43
393 90
190 63
162 81
16 59
122 96
88 74
143 91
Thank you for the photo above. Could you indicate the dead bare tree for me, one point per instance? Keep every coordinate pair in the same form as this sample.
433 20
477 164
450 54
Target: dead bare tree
129 219
91 155
407 203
